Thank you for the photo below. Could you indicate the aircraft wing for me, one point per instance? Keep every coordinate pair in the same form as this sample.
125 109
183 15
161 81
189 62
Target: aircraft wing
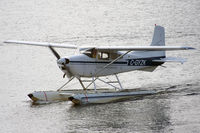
170 59
141 48
102 48
44 44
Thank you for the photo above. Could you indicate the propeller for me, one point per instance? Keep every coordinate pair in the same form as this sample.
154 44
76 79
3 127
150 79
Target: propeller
66 61
55 53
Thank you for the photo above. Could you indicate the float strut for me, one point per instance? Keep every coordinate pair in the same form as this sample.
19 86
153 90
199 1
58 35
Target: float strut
82 84
65 84
118 81
94 84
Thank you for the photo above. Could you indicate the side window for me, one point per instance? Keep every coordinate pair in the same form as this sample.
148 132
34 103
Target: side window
114 55
103 56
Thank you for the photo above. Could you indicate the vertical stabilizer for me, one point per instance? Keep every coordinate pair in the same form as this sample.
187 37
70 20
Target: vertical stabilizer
158 36
158 39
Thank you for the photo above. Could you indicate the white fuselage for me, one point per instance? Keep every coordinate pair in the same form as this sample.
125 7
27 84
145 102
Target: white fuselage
84 66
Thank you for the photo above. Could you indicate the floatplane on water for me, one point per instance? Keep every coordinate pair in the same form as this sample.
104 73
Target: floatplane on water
95 62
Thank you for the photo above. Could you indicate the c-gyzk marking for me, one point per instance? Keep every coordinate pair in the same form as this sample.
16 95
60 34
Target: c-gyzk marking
137 62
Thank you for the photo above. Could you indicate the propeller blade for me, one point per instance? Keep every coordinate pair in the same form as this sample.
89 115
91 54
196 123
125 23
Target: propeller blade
54 52
68 73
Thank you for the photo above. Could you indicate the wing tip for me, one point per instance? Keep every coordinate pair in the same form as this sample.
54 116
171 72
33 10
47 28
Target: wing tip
7 41
190 48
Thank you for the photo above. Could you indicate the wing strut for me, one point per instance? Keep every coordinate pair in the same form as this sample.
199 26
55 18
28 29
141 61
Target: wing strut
107 66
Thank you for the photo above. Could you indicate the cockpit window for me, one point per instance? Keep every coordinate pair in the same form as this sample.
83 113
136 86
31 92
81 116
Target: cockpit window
91 53
88 53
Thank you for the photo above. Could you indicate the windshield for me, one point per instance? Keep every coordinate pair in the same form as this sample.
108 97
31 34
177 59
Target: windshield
91 53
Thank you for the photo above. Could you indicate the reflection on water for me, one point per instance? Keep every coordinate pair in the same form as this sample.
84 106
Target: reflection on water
159 115
148 114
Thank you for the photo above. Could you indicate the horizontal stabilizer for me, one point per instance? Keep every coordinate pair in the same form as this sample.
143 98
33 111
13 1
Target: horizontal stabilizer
170 59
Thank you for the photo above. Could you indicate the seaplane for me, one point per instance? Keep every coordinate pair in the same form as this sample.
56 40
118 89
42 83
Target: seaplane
94 62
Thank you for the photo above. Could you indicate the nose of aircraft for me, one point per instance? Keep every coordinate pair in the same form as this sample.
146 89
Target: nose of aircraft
63 61
62 64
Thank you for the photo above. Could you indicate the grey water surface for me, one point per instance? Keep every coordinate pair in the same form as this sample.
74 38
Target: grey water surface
24 69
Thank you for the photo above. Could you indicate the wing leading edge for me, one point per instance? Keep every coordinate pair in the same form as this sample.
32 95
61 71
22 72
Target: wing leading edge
44 44
102 48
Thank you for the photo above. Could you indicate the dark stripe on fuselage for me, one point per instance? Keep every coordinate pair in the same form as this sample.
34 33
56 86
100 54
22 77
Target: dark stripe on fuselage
148 62
97 62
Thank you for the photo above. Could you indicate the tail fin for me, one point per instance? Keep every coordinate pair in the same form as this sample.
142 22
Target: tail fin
158 36
159 39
